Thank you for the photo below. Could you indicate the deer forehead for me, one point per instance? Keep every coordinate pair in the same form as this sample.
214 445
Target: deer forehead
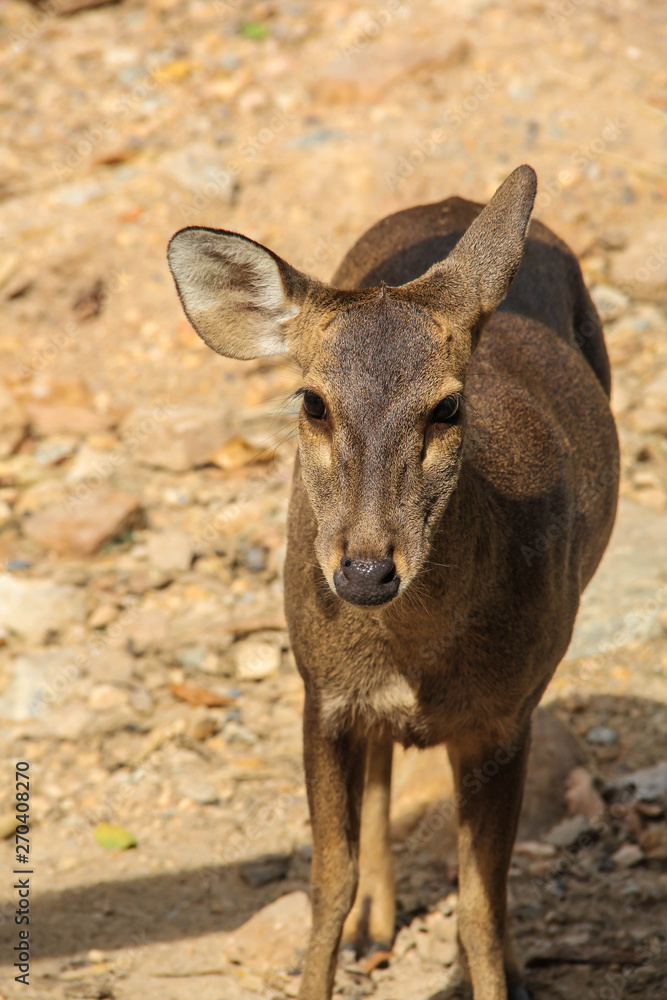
382 352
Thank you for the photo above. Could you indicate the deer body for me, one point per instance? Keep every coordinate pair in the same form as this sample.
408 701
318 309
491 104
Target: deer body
454 492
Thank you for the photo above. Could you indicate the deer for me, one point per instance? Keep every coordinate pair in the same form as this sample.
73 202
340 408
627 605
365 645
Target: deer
454 404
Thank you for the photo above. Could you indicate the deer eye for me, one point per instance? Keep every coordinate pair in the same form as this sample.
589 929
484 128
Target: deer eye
446 411
314 406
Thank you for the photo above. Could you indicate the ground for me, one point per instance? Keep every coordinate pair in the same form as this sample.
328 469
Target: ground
144 480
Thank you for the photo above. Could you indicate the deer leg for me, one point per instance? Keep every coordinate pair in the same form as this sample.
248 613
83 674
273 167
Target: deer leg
334 781
370 923
489 782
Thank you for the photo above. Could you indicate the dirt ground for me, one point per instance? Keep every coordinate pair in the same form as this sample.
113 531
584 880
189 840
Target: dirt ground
144 480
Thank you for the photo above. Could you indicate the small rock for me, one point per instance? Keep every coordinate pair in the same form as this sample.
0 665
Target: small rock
203 726
653 842
54 450
567 832
170 551
236 732
34 608
266 870
255 659
191 657
103 615
148 631
602 736
94 465
609 302
627 856
177 439
649 784
255 559
641 269
82 526
105 697
140 699
432 949
46 419
198 790
647 420
198 168
273 938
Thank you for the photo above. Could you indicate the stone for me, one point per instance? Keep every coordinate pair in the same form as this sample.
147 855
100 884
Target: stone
423 788
105 697
47 419
103 615
195 788
147 632
653 842
38 680
609 302
93 465
177 439
602 736
649 784
255 659
618 608
432 949
34 608
567 832
170 551
70 722
641 269
199 169
274 937
260 872
202 727
649 420
81 526
628 856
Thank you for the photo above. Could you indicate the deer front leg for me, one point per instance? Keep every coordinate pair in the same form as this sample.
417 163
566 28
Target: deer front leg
334 781
370 924
489 780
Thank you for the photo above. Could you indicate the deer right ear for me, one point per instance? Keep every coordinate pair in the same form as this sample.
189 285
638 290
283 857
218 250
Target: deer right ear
238 295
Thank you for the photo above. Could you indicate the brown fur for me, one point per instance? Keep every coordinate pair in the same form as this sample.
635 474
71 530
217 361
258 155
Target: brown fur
495 524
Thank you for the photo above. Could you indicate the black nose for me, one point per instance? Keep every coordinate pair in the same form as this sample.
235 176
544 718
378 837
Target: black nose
366 581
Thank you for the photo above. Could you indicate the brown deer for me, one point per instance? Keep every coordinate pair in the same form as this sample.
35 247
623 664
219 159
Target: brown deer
455 409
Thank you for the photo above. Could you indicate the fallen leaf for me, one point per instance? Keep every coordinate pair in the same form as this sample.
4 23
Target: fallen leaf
114 837
377 960
253 29
196 696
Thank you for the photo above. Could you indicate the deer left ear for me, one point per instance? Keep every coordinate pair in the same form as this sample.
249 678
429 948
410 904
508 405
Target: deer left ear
238 295
479 270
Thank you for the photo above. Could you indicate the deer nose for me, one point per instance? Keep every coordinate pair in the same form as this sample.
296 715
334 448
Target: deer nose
366 581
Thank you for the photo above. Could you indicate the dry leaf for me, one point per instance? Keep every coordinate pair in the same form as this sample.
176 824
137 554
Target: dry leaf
197 696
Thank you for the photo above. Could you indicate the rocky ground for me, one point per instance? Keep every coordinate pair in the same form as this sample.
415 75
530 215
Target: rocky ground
144 667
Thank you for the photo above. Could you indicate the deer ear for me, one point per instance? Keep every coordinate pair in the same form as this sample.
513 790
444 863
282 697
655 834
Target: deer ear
480 269
489 252
238 295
